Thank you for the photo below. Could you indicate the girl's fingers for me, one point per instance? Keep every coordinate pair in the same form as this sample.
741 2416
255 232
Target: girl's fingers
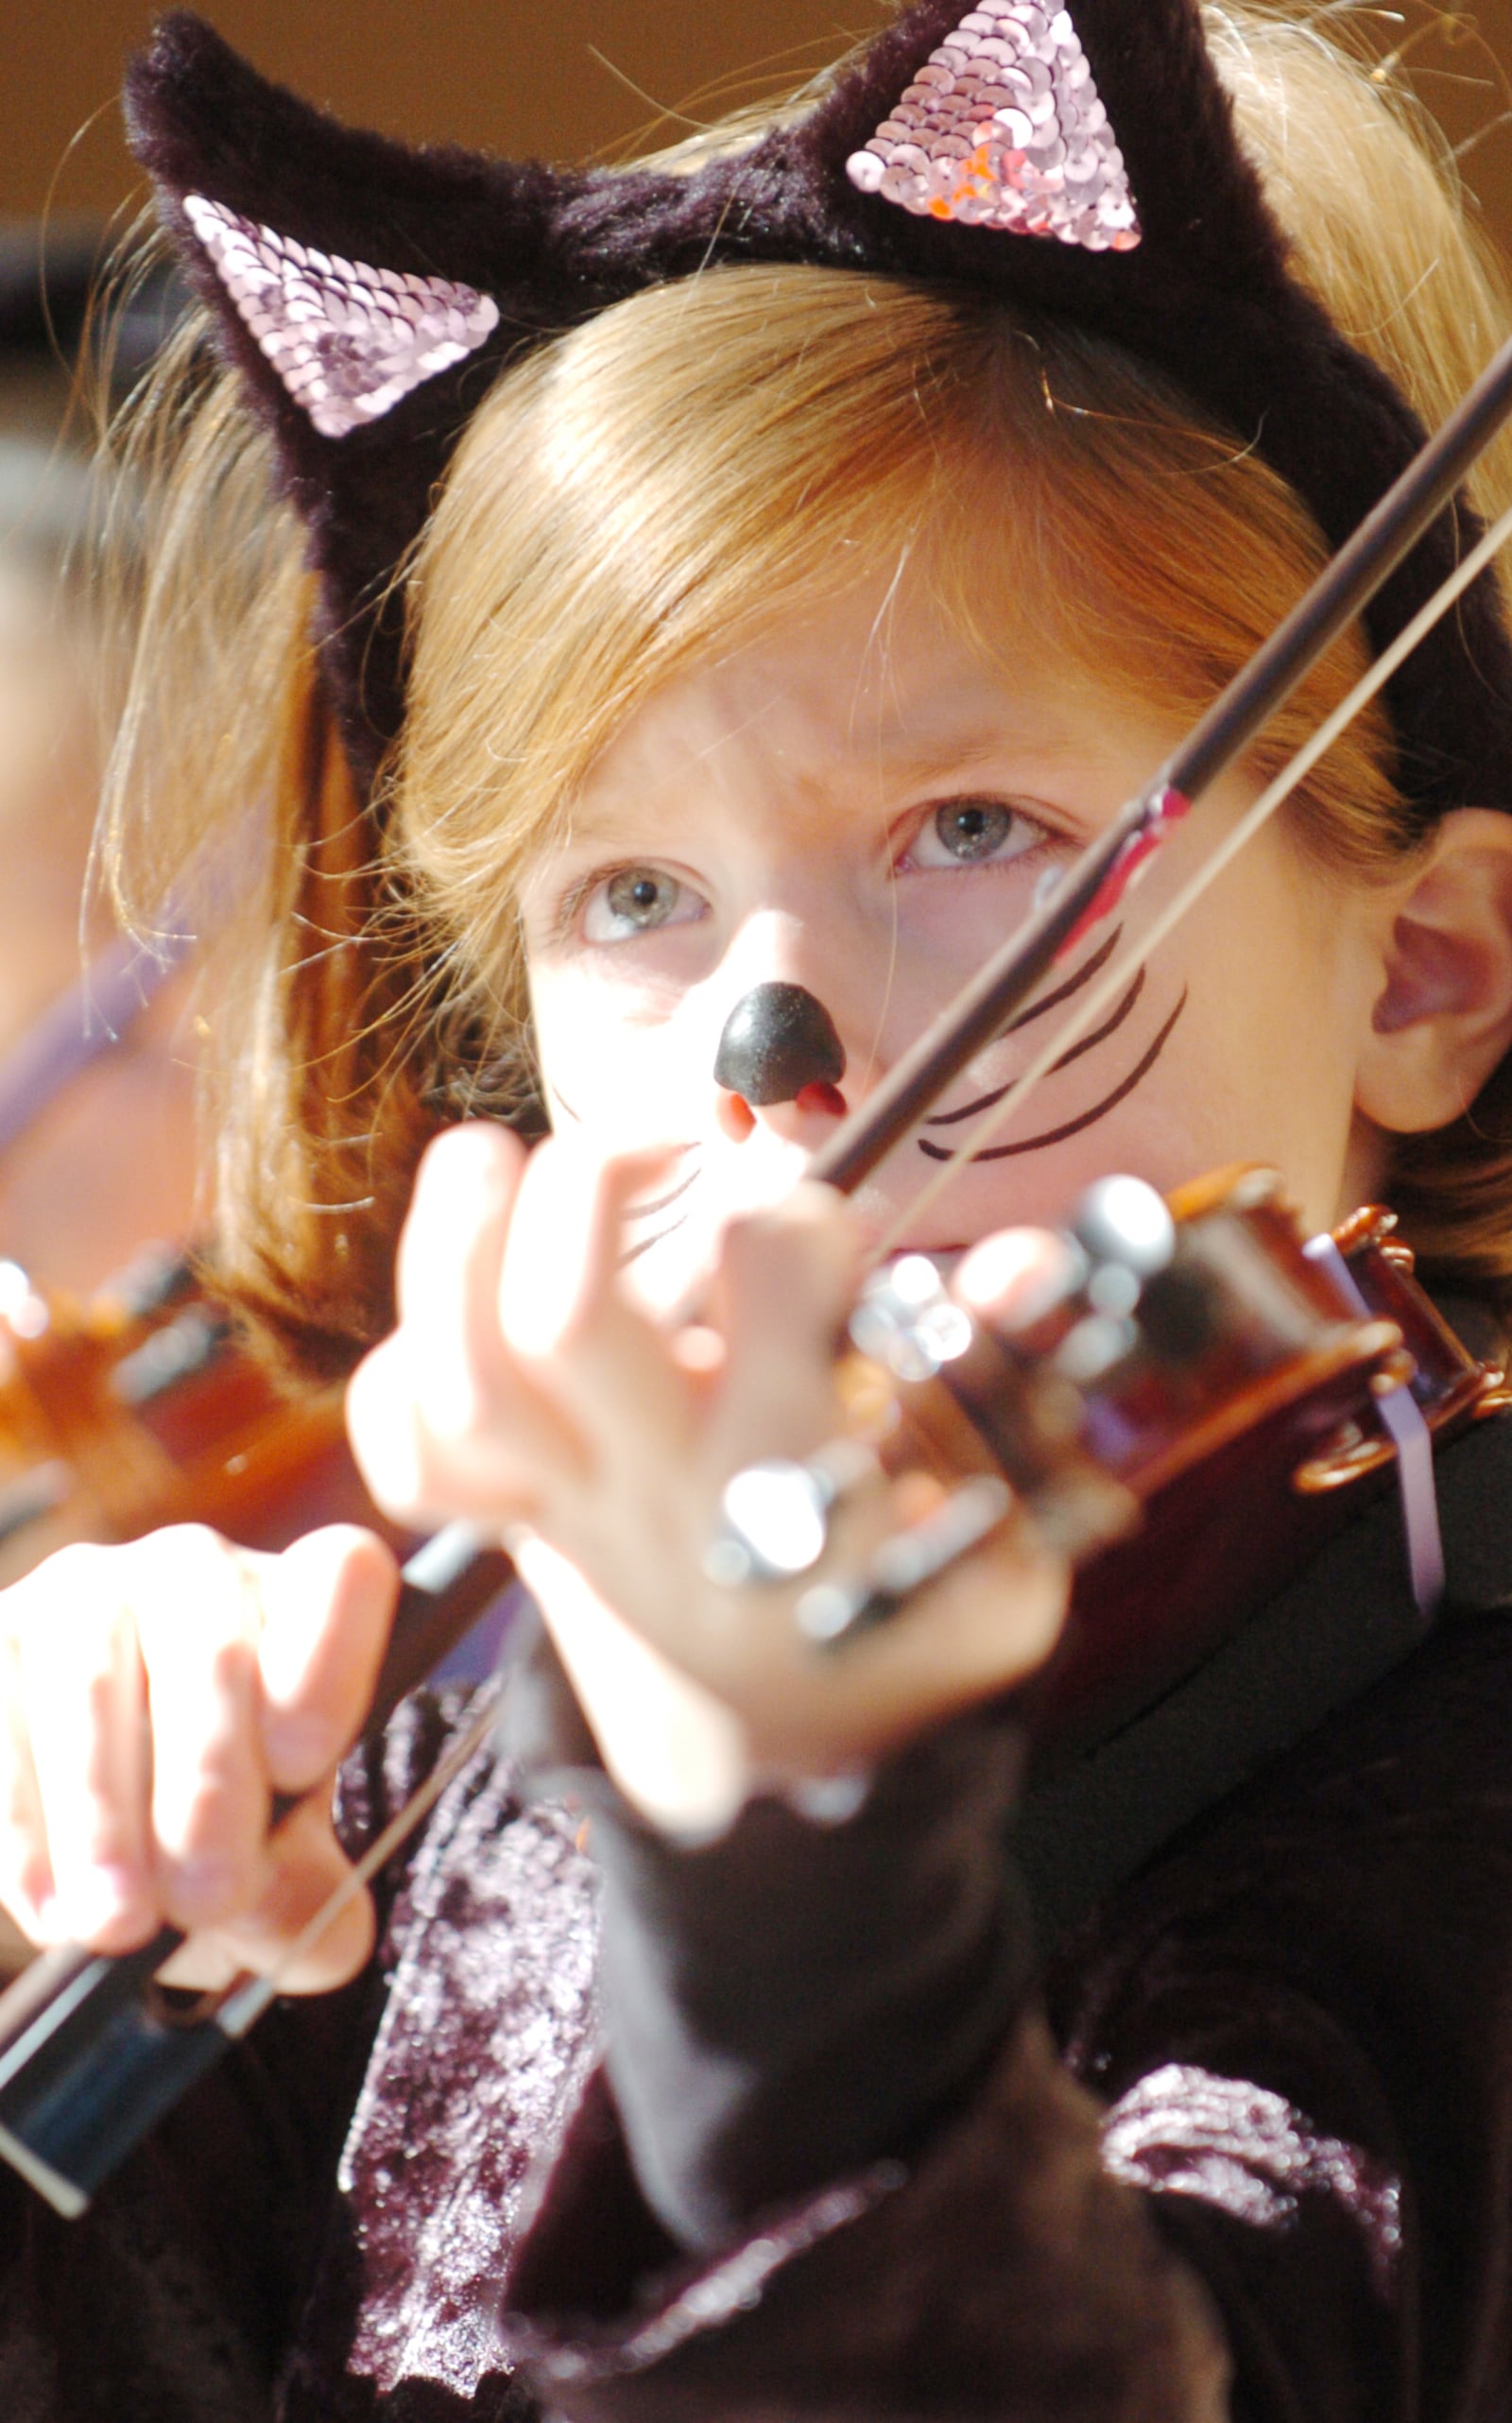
441 1417
309 1875
452 1243
199 1617
327 1604
562 1311
155 1695
80 1775
523 1387
27 1886
786 1281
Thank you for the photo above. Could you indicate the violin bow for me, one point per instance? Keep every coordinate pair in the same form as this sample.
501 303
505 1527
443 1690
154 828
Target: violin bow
87 2068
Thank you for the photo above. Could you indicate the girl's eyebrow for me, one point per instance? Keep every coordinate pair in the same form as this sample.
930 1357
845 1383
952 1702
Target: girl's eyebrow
908 760
954 752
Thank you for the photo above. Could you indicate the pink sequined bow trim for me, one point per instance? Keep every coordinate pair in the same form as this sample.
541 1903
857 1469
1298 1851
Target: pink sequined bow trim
1003 129
349 342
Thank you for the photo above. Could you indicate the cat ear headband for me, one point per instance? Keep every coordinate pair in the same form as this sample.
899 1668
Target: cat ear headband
1080 162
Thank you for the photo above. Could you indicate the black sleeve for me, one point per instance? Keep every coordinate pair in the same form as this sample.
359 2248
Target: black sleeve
798 1999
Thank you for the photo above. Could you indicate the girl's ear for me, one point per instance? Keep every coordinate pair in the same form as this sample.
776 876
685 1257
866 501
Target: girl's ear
1443 1016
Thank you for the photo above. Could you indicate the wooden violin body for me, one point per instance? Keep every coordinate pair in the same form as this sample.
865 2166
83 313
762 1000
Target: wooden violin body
1234 1424
139 1408
1287 1444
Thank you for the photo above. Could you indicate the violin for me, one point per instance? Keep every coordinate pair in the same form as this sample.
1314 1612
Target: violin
1231 1360
1125 1420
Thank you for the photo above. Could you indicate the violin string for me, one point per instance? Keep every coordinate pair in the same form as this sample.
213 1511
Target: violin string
248 2000
1118 969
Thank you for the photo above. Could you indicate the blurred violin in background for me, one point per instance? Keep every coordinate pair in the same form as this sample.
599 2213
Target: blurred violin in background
138 1407
124 1402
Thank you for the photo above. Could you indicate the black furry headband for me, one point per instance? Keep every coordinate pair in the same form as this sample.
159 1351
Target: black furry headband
1084 164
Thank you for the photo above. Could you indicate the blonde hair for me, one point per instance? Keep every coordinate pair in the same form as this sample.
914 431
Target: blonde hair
636 494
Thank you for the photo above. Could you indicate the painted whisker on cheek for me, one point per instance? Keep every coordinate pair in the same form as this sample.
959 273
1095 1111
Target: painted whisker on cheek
644 1211
1088 1044
643 1244
557 1097
1109 1025
1089 968
658 1202
1071 1126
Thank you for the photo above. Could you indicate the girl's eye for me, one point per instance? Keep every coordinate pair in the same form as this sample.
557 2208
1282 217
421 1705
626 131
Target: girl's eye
970 832
637 900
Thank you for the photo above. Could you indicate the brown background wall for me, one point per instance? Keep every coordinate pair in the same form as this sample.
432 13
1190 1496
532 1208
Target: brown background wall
521 76
512 75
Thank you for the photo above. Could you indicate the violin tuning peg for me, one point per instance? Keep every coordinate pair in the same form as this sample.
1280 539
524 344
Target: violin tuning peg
1127 1224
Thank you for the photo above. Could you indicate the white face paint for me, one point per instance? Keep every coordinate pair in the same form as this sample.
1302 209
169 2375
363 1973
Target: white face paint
854 802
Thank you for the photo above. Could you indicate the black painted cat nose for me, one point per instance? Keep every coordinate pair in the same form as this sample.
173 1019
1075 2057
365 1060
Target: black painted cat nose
777 1039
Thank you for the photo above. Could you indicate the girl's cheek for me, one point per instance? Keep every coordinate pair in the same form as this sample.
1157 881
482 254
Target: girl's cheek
623 1083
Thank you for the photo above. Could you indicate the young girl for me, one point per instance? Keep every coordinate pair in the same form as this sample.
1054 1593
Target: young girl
860 511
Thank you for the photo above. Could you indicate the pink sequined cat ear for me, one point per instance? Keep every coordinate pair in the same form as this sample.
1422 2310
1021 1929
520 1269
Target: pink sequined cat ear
1002 127
346 341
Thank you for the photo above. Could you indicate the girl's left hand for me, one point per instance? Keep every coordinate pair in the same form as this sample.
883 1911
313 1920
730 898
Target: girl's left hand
523 1391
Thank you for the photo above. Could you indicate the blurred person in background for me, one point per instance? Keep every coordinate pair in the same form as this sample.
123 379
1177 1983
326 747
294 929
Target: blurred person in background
101 1155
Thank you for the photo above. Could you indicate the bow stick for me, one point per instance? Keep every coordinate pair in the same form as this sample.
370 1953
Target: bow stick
73 2032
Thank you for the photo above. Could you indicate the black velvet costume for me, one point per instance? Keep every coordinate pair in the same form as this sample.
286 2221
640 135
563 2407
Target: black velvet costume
1258 2110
